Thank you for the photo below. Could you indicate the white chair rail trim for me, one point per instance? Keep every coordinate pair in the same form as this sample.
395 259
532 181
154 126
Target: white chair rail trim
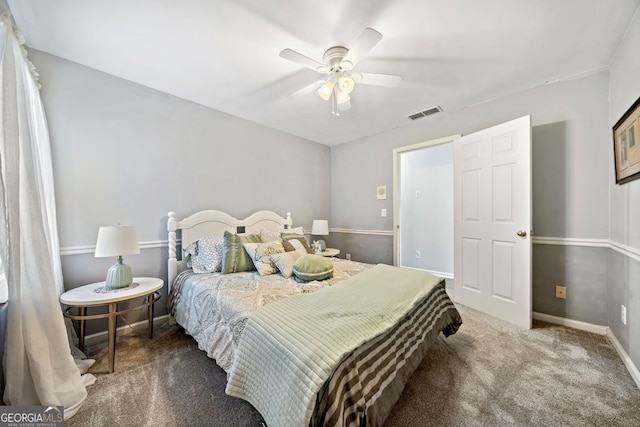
571 241
625 250
537 240
89 249
357 231
629 251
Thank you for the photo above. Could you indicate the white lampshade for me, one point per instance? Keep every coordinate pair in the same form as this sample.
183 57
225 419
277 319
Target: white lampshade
320 227
326 90
346 84
117 240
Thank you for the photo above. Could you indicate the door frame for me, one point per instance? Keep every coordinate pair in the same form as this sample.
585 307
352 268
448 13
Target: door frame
396 185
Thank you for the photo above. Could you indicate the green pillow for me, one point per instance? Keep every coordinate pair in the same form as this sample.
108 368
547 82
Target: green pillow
234 257
312 267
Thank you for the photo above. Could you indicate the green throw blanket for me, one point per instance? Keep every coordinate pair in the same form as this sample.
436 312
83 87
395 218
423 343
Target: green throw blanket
290 348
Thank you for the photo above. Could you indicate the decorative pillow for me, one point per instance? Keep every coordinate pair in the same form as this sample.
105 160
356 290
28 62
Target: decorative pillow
265 232
286 237
268 239
285 261
205 255
294 245
296 230
261 254
234 257
312 267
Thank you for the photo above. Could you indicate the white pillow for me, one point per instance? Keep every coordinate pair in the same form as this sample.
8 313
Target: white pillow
265 232
285 261
261 253
296 230
205 255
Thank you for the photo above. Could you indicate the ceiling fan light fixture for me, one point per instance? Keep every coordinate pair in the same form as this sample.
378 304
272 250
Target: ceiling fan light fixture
326 90
337 64
346 84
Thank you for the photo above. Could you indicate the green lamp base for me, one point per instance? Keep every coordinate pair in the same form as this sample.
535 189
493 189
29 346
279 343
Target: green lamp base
119 276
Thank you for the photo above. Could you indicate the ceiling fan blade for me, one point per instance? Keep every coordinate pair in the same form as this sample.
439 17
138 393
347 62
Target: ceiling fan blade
388 80
305 90
367 39
300 59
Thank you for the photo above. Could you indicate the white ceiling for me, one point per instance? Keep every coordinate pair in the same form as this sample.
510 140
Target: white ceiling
224 53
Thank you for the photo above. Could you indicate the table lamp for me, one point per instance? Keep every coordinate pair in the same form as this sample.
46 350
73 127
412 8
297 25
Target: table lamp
320 227
117 240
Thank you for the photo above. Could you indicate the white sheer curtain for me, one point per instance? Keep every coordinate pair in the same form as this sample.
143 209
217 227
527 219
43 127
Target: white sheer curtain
40 368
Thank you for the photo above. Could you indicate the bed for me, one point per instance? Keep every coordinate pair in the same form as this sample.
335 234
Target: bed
336 351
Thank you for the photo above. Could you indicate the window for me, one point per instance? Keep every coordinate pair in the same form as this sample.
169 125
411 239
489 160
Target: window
4 286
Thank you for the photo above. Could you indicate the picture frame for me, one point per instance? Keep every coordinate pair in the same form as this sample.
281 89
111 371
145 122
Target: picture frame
626 145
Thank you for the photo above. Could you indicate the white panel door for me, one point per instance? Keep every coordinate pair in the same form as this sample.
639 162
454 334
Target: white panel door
492 221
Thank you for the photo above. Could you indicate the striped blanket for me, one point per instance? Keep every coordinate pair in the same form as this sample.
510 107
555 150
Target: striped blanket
290 349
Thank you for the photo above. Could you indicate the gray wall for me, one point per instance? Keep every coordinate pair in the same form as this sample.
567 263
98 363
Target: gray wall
570 184
624 269
124 153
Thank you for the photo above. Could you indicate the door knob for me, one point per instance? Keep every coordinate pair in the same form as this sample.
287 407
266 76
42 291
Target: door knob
521 233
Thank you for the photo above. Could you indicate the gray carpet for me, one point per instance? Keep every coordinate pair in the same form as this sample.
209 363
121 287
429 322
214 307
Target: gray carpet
489 374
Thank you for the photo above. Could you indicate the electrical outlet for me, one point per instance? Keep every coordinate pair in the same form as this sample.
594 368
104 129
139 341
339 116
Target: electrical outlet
418 194
383 213
348 256
418 255
561 292
623 314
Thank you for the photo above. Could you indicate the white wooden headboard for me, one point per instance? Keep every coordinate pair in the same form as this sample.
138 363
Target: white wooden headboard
211 223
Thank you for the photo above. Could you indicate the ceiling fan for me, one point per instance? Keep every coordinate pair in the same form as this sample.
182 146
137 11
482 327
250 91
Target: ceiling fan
337 63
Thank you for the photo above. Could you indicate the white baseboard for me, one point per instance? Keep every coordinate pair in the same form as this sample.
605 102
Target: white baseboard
124 330
575 324
631 367
596 329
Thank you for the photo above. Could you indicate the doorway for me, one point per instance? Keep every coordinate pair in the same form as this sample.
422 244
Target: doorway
423 206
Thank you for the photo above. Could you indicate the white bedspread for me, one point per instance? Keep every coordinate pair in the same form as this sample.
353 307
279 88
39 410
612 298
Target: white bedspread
214 307
290 348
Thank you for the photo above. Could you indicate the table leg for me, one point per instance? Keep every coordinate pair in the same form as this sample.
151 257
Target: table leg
82 312
112 336
150 315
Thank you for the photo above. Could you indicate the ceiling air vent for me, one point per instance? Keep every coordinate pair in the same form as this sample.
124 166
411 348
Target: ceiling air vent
425 113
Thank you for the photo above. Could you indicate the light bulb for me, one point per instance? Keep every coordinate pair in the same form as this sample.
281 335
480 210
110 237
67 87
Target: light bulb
325 90
342 97
346 83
